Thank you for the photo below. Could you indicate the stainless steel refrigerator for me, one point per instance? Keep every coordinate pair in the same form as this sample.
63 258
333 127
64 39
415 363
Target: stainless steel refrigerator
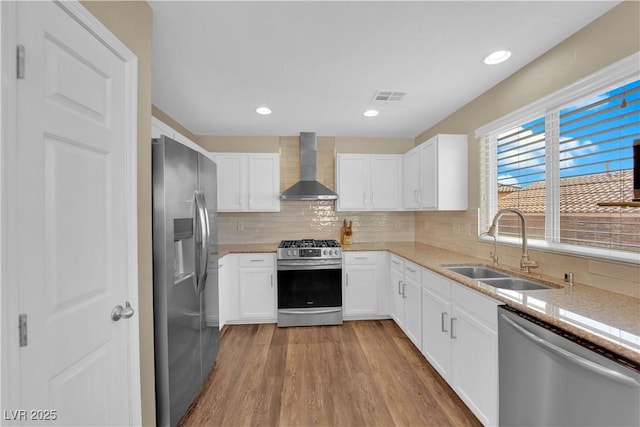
185 269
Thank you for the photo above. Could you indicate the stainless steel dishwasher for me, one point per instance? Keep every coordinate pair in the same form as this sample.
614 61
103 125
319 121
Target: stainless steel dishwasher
549 377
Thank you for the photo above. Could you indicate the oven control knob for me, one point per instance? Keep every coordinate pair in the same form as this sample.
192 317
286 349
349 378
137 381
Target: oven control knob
334 252
325 252
289 253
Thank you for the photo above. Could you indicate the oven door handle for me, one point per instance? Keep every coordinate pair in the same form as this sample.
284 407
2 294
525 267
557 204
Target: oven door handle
309 266
319 311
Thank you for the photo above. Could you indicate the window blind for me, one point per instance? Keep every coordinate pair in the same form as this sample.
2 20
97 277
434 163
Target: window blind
596 165
521 166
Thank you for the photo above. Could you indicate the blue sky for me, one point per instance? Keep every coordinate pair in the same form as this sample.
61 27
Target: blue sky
596 135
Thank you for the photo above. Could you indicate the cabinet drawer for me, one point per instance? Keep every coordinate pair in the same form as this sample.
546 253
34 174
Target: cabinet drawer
355 258
437 284
397 263
412 272
475 303
257 260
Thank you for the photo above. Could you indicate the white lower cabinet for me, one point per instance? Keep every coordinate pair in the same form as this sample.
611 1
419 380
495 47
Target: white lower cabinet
460 340
396 280
257 284
406 303
362 279
248 293
412 289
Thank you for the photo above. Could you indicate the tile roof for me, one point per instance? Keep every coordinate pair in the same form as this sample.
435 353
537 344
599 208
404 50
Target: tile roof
579 194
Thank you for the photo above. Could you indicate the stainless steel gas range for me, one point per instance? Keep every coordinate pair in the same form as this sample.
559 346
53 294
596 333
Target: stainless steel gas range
309 274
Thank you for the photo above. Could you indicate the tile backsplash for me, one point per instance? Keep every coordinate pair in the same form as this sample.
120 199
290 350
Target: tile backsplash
312 219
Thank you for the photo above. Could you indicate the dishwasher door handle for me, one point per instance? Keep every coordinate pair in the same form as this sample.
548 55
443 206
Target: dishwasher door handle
572 357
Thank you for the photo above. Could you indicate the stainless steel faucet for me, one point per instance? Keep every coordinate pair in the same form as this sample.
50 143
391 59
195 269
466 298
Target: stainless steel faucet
525 263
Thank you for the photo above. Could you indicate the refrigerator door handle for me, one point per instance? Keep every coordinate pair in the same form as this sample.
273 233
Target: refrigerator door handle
202 240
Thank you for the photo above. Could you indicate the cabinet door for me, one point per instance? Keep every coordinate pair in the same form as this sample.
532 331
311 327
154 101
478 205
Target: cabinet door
436 345
360 290
229 289
263 182
413 311
385 182
352 186
411 179
231 182
428 194
474 364
257 293
397 302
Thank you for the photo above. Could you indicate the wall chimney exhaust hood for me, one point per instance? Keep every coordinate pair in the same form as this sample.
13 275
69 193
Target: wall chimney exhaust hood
308 188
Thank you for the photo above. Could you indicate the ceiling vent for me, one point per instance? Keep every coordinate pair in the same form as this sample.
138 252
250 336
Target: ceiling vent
384 96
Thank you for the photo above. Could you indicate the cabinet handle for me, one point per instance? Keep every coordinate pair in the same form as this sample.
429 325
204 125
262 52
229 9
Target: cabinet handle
443 318
272 280
396 262
404 294
453 332
240 199
399 287
373 200
256 260
364 198
420 196
360 257
249 200
347 279
411 269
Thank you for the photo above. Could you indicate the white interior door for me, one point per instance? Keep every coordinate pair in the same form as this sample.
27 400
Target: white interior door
73 218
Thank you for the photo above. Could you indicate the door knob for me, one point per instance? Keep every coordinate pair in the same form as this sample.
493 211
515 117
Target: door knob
120 312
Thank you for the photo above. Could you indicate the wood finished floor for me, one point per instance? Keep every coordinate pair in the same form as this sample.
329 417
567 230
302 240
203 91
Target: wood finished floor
363 373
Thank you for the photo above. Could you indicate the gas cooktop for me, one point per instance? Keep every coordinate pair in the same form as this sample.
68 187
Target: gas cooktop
308 243
309 249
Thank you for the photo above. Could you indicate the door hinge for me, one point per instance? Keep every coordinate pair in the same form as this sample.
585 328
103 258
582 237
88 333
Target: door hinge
22 319
20 61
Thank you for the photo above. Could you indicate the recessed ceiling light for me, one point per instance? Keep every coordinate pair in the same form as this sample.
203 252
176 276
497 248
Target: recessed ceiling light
497 57
371 113
263 110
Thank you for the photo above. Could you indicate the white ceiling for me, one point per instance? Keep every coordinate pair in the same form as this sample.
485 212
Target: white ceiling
318 64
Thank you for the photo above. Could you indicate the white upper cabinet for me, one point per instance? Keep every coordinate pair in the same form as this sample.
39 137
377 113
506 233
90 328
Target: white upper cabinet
435 174
369 182
248 182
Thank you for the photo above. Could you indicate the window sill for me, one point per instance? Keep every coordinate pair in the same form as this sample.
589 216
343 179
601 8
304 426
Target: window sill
564 249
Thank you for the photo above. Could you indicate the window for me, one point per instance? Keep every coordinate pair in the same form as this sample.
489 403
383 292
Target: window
567 163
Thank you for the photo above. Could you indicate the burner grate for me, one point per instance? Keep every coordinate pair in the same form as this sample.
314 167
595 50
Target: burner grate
308 243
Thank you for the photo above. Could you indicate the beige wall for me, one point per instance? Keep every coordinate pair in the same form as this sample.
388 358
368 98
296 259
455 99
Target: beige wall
271 144
608 39
373 145
132 23
239 143
168 120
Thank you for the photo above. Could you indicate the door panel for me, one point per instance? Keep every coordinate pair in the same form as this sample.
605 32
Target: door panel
72 221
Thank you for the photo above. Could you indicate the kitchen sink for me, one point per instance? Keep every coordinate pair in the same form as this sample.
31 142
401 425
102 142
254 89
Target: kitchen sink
474 272
514 283
497 279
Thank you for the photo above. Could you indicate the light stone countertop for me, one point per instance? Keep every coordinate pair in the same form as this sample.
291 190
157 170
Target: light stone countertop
605 318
